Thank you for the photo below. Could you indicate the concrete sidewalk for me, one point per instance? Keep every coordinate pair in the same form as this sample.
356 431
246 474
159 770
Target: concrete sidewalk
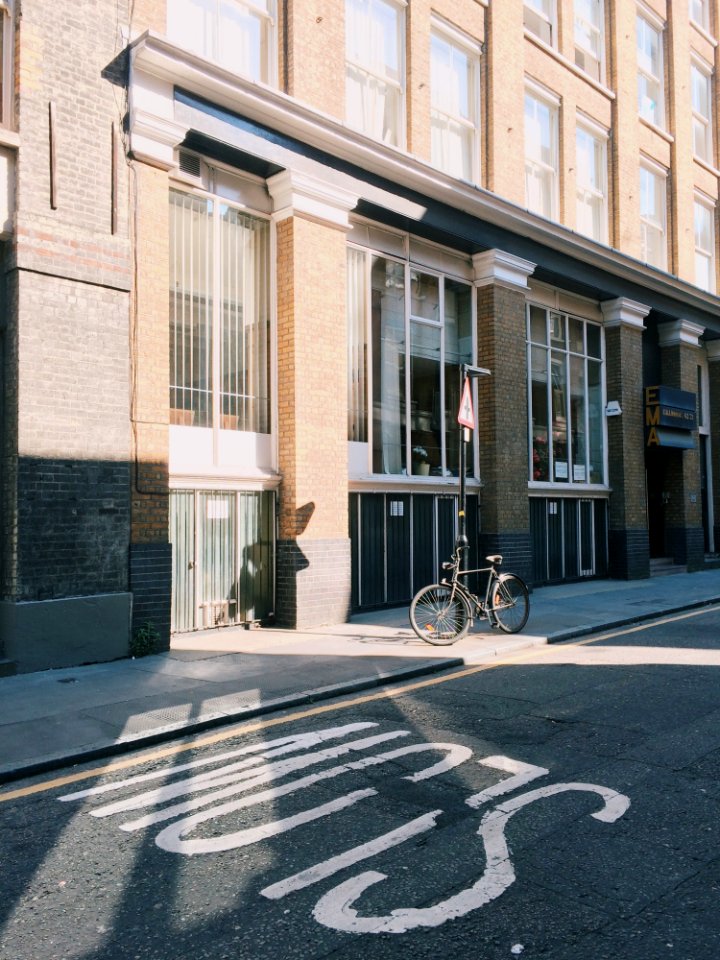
58 717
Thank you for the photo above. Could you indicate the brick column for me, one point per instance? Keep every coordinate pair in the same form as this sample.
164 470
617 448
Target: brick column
628 541
679 343
713 355
313 550
502 414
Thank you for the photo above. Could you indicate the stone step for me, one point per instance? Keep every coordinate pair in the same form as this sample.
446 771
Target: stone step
663 566
7 668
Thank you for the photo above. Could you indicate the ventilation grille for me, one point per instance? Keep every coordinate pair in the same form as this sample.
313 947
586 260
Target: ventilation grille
190 164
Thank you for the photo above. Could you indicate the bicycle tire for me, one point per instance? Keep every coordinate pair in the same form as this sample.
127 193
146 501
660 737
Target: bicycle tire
510 603
437 616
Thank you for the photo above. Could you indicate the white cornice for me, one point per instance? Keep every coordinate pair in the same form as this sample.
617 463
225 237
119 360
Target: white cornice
623 312
498 266
155 58
678 332
295 193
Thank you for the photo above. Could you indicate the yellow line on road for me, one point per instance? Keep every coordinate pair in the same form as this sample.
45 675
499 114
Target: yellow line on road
387 693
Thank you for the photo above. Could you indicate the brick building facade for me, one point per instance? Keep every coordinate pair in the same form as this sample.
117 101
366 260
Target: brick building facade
247 247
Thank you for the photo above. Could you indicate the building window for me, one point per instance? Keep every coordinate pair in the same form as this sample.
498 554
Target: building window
6 63
375 69
653 216
705 244
455 92
409 331
700 82
539 18
541 156
589 37
651 86
219 316
565 365
699 13
238 34
591 181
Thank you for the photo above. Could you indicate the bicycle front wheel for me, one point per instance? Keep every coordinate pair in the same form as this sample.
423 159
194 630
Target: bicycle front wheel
510 605
438 616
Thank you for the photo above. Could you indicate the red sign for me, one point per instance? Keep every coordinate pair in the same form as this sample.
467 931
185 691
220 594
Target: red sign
466 414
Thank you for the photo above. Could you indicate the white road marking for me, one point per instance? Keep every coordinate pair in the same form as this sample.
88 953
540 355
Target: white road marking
524 773
321 871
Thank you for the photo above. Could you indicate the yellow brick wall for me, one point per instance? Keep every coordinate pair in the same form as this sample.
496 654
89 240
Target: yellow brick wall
312 380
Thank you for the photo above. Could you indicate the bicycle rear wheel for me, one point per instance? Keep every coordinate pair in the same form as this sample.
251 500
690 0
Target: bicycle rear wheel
439 617
510 605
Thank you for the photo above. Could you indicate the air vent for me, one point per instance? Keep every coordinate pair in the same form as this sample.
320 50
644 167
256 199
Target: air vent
190 164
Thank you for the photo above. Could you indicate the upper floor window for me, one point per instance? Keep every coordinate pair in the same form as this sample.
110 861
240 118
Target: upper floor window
653 216
700 14
375 68
408 332
701 87
219 315
591 182
539 18
541 156
651 83
455 94
6 63
565 370
704 211
238 34
589 37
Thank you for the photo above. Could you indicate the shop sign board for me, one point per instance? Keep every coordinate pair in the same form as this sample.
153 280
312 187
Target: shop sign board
670 417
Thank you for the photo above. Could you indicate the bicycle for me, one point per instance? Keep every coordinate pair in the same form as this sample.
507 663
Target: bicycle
442 613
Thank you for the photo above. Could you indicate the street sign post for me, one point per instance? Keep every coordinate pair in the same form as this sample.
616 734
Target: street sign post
466 421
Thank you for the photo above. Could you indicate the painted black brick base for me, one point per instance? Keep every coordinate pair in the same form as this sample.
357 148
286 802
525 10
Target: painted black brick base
687 545
516 551
313 582
151 587
629 554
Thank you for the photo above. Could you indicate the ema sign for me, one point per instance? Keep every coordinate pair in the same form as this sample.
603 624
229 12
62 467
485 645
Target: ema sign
669 417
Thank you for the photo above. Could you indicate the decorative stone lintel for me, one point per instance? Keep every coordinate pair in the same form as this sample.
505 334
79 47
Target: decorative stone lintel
297 193
498 266
154 139
623 312
713 350
677 332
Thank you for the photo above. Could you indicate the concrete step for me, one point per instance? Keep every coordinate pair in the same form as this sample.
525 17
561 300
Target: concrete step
664 566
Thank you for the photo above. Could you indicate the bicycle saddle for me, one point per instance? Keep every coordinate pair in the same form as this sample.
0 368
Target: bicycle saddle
496 558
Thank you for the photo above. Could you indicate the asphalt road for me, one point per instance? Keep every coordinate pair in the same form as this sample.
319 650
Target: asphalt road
562 804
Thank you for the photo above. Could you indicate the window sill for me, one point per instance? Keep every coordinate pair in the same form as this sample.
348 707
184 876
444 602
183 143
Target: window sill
9 138
703 32
584 490
706 166
568 64
658 130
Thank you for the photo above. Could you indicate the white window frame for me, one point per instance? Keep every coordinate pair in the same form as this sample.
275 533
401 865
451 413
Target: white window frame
703 21
7 117
540 18
657 226
472 50
646 78
368 69
594 192
263 10
707 254
591 62
702 122
535 166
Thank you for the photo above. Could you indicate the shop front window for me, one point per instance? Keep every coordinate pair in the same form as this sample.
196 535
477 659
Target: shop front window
565 391
420 330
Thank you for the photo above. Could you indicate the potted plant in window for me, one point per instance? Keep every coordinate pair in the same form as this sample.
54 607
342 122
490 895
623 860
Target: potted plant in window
420 462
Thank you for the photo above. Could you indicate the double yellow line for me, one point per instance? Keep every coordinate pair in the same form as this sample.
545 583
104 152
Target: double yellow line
389 692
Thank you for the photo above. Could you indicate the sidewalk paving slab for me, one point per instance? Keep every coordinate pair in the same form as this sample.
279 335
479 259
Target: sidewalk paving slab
56 718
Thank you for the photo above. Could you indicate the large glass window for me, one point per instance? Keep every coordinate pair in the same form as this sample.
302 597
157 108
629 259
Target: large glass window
239 34
541 157
700 82
651 83
653 217
539 18
704 212
589 29
591 183
375 69
565 363
454 79
420 330
219 316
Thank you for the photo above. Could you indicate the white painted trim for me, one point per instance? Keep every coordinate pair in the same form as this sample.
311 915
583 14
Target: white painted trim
498 266
677 332
624 312
296 193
